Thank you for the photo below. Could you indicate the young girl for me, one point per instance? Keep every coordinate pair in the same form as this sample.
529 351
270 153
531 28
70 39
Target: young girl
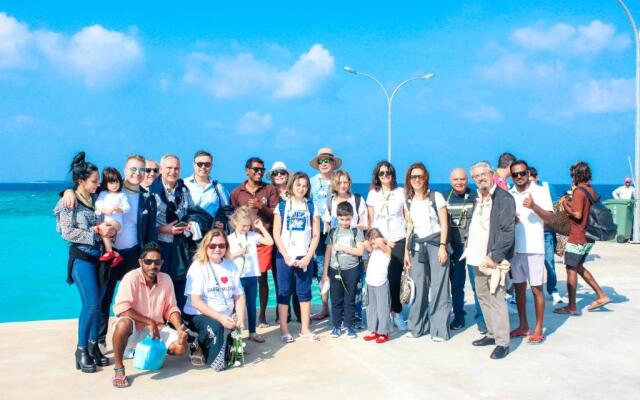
296 227
379 308
244 253
111 203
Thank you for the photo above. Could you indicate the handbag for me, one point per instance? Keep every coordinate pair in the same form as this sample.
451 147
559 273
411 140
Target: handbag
407 289
560 222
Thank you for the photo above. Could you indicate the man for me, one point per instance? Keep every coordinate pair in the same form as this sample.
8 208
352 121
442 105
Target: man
503 171
173 200
326 163
624 192
460 201
262 199
206 192
151 170
533 207
490 244
138 229
144 304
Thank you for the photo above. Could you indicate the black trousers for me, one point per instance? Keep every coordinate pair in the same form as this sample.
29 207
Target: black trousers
396 265
343 296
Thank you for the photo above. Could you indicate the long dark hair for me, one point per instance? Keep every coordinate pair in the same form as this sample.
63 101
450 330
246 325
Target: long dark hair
81 169
375 179
408 189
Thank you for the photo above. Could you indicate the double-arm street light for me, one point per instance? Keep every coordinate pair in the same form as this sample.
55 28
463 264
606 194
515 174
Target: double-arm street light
389 98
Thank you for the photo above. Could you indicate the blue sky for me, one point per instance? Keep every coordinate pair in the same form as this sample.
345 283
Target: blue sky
550 81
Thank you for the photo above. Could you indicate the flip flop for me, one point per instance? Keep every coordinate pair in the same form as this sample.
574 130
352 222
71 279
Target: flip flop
519 333
565 311
287 338
197 360
535 339
119 382
597 304
311 336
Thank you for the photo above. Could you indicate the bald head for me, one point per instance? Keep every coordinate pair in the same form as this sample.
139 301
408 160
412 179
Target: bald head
459 180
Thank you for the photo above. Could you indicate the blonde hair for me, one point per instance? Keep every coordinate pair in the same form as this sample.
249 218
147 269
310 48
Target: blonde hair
241 213
201 253
335 181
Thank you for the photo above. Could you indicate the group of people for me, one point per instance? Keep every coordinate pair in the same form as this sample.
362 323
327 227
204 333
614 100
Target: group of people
193 260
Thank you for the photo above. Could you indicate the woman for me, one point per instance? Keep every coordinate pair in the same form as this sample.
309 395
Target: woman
296 231
84 230
385 202
213 291
341 191
426 255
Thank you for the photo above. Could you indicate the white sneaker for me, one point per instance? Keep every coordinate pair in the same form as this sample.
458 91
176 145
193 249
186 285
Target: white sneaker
129 353
557 299
437 339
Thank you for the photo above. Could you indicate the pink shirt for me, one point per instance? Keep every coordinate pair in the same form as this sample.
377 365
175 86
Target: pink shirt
157 303
501 183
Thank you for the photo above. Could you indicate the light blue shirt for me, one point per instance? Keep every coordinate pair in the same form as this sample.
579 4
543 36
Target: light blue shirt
319 194
207 197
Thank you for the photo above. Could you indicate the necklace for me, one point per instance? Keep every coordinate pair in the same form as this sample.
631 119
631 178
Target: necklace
87 201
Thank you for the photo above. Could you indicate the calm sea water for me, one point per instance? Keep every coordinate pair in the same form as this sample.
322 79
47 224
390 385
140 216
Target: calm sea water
35 257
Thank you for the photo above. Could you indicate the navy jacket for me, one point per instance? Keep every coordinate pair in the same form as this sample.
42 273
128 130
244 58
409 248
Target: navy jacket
502 235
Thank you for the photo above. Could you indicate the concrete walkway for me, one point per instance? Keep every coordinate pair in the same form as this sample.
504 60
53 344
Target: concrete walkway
593 356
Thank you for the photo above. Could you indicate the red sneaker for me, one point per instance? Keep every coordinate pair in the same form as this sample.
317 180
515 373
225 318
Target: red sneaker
108 256
371 336
116 261
382 338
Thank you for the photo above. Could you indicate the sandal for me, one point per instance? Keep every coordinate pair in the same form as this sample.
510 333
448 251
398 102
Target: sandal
565 311
519 333
597 304
120 381
287 338
256 338
535 339
320 317
263 324
311 336
196 357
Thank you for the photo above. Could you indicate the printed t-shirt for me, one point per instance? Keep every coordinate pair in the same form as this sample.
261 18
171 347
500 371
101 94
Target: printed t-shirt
216 284
296 227
344 237
460 208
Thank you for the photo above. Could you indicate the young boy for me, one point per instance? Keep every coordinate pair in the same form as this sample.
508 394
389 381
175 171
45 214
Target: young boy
345 246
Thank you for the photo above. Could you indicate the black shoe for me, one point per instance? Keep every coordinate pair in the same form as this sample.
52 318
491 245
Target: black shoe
457 324
500 352
485 341
83 361
98 358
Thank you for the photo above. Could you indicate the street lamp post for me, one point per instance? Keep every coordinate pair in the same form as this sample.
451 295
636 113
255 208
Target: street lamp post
636 37
389 98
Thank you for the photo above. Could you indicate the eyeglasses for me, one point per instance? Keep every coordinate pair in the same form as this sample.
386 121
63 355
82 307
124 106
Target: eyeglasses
521 173
203 164
278 172
416 177
384 173
136 170
324 161
151 170
213 246
258 170
149 261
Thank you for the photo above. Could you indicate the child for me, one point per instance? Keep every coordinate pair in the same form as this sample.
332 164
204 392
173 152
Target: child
243 251
379 309
112 203
345 246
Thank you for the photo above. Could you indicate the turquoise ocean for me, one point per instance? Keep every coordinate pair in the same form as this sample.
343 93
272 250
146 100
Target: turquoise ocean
35 257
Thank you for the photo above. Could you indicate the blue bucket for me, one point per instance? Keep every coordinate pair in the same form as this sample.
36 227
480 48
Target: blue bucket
150 355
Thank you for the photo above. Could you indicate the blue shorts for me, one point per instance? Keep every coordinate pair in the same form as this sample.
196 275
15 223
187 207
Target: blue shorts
286 276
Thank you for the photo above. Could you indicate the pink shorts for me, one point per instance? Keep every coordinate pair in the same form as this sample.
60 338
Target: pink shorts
527 267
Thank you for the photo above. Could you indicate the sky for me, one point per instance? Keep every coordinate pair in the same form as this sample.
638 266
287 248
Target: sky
551 81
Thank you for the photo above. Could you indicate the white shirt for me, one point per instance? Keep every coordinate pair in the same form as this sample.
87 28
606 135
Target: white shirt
356 213
377 268
296 227
388 213
108 199
247 264
216 284
128 235
530 228
479 229
624 193
425 219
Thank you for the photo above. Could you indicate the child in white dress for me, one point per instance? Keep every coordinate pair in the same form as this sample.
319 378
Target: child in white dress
111 203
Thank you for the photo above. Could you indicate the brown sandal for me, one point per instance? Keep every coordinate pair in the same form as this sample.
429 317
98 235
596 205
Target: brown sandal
597 304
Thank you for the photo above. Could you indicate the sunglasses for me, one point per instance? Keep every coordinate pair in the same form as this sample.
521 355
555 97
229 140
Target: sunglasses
416 177
325 161
278 172
149 261
213 246
150 170
521 173
384 173
203 164
258 170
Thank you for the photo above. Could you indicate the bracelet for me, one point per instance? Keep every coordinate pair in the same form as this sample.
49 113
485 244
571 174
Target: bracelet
97 229
442 244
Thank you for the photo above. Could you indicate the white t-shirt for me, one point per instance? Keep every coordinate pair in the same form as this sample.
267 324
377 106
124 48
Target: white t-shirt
388 213
248 265
478 241
128 235
530 228
296 227
108 200
425 219
216 284
361 211
377 268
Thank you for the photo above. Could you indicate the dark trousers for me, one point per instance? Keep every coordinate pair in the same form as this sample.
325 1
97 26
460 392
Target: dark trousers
458 276
178 284
343 296
130 261
211 337
250 287
396 265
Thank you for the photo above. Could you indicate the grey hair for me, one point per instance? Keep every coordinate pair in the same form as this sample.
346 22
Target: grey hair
168 156
479 164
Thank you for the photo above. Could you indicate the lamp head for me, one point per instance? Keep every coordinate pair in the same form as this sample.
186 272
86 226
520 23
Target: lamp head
350 70
428 76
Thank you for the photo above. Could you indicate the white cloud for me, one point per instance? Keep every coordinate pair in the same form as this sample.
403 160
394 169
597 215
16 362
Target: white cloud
242 74
482 113
592 38
99 56
612 95
253 123
516 67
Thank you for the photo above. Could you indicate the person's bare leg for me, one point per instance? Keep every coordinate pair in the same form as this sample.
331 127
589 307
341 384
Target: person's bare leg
121 334
108 246
521 302
263 288
591 281
572 283
283 309
305 311
538 299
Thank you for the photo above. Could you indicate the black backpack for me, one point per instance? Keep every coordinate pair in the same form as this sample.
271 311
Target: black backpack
600 225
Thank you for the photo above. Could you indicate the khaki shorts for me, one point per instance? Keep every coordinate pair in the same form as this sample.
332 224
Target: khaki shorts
527 267
167 335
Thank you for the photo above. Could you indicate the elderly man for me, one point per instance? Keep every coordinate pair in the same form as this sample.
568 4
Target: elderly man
151 171
460 201
490 244
624 192
206 192
144 304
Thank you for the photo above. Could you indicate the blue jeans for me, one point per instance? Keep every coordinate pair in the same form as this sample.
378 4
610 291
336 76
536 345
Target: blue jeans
458 275
479 317
250 286
85 276
549 261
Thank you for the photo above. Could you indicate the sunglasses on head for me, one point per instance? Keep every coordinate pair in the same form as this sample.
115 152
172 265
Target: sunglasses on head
279 172
517 174
136 170
151 170
384 173
149 261
324 161
203 164
213 246
258 170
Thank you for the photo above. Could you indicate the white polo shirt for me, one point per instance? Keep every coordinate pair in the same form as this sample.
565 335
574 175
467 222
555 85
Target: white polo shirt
530 228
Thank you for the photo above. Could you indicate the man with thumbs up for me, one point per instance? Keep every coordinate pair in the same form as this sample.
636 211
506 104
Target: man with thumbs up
533 207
